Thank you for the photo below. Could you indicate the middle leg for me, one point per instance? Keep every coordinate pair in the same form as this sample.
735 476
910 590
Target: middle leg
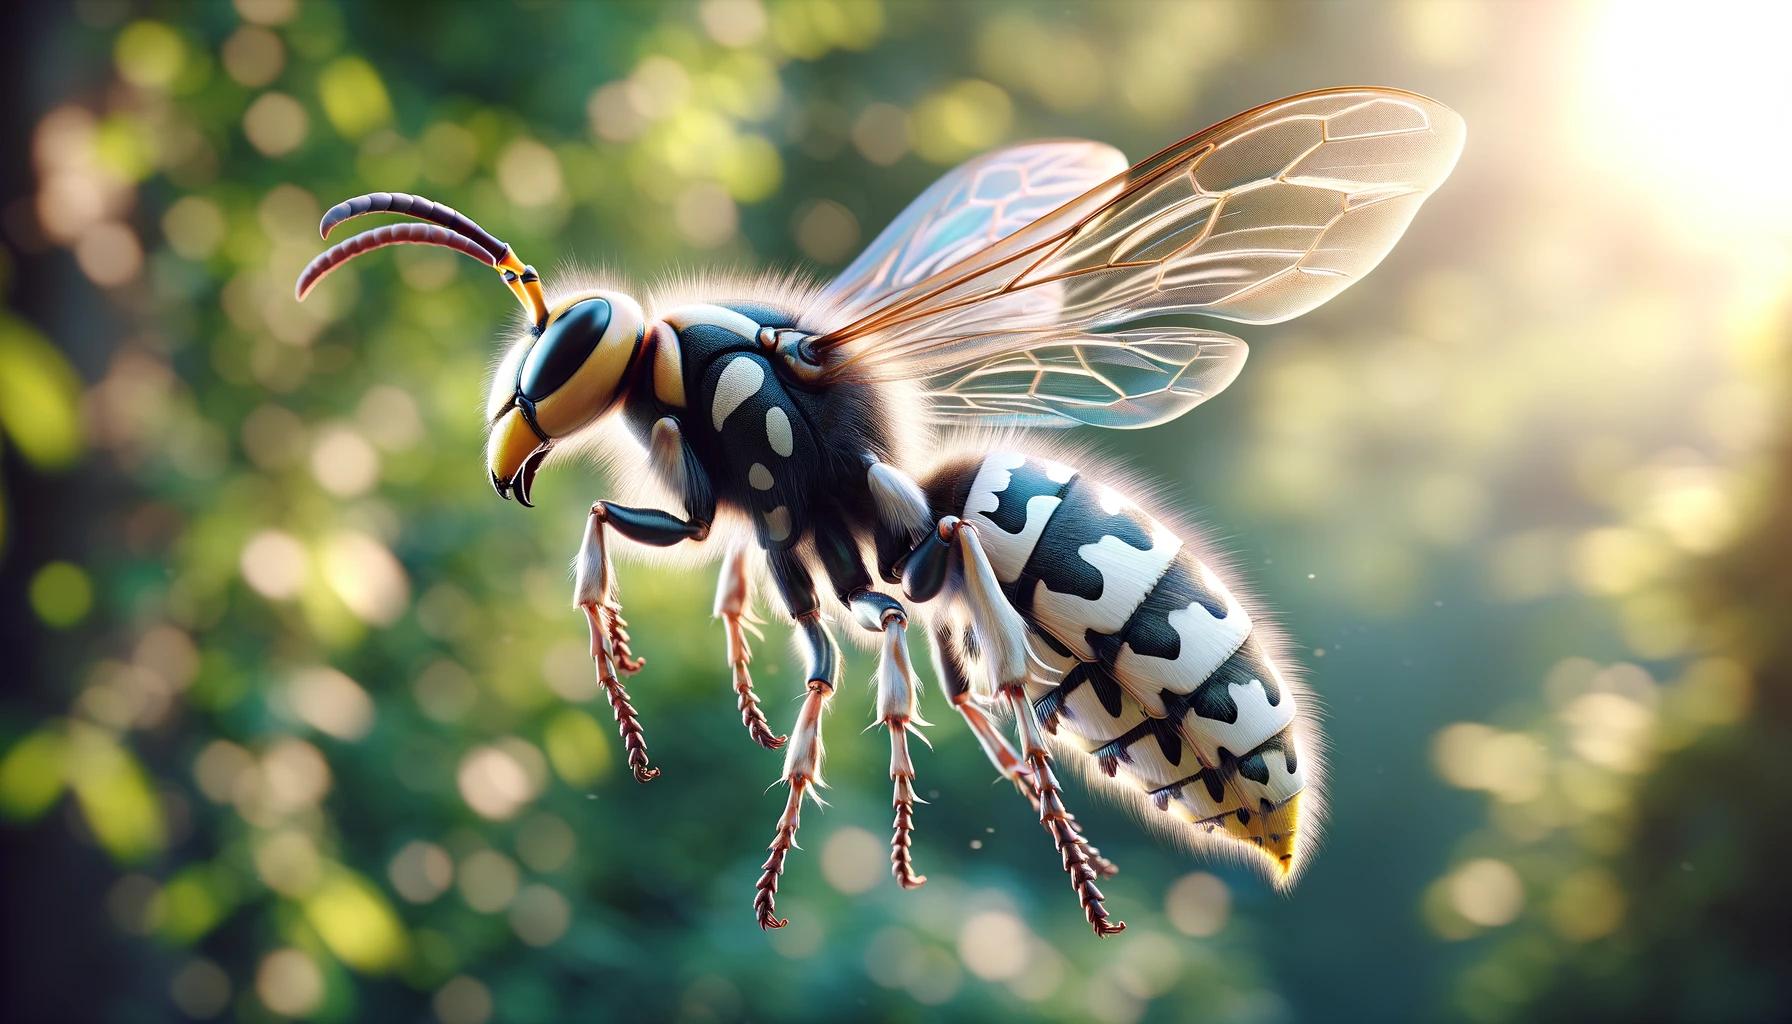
803 755
734 608
898 691
898 712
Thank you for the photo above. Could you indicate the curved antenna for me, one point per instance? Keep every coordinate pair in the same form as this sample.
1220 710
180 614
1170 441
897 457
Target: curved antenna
446 227
379 238
413 206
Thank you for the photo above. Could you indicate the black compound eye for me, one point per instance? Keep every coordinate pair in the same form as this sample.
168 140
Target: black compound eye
563 348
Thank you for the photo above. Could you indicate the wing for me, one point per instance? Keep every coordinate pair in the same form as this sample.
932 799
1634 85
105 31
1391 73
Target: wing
971 207
1135 378
1256 219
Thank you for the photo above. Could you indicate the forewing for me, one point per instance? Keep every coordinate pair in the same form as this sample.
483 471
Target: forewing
1257 219
971 207
1128 379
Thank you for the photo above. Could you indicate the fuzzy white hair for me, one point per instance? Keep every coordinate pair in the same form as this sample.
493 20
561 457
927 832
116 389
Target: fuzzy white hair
1083 454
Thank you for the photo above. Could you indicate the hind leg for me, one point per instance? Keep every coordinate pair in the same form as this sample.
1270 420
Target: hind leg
1001 637
954 673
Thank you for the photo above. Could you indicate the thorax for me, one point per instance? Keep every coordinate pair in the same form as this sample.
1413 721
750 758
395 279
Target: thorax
781 452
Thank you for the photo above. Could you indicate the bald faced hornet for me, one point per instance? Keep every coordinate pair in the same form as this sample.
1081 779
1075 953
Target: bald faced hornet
876 430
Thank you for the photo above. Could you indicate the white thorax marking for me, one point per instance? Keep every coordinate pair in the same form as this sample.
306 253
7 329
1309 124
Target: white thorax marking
741 379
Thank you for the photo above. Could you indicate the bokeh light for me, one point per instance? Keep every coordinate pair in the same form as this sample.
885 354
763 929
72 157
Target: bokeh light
302 727
289 983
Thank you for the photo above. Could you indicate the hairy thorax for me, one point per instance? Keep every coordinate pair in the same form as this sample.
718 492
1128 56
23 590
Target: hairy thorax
783 454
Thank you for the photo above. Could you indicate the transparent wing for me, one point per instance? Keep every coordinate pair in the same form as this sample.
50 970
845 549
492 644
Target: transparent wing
1128 379
971 207
1256 219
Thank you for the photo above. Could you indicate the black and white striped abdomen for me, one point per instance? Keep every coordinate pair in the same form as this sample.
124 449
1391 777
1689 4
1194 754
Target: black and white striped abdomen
1144 653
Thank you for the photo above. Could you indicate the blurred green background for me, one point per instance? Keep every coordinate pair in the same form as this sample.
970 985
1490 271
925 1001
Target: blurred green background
298 723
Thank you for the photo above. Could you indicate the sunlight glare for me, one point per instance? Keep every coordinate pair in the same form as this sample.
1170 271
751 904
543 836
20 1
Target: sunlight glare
1684 94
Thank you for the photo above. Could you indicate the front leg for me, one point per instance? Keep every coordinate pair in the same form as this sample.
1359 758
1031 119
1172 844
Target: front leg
594 580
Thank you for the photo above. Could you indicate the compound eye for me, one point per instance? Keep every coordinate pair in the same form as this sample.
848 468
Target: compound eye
568 341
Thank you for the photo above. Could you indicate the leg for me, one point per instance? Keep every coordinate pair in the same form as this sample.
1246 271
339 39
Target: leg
903 516
1001 636
733 607
594 587
897 689
897 711
594 594
803 756
955 678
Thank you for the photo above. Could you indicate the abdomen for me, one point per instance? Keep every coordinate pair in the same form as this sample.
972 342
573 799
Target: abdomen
1146 656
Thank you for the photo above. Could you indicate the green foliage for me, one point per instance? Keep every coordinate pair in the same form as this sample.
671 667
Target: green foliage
38 392
31 775
316 700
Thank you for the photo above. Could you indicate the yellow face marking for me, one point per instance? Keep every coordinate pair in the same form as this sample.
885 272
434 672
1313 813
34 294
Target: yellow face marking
596 384
715 316
504 380
574 299
509 445
668 365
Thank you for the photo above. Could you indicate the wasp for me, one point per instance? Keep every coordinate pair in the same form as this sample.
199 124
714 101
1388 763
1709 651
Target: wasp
881 432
